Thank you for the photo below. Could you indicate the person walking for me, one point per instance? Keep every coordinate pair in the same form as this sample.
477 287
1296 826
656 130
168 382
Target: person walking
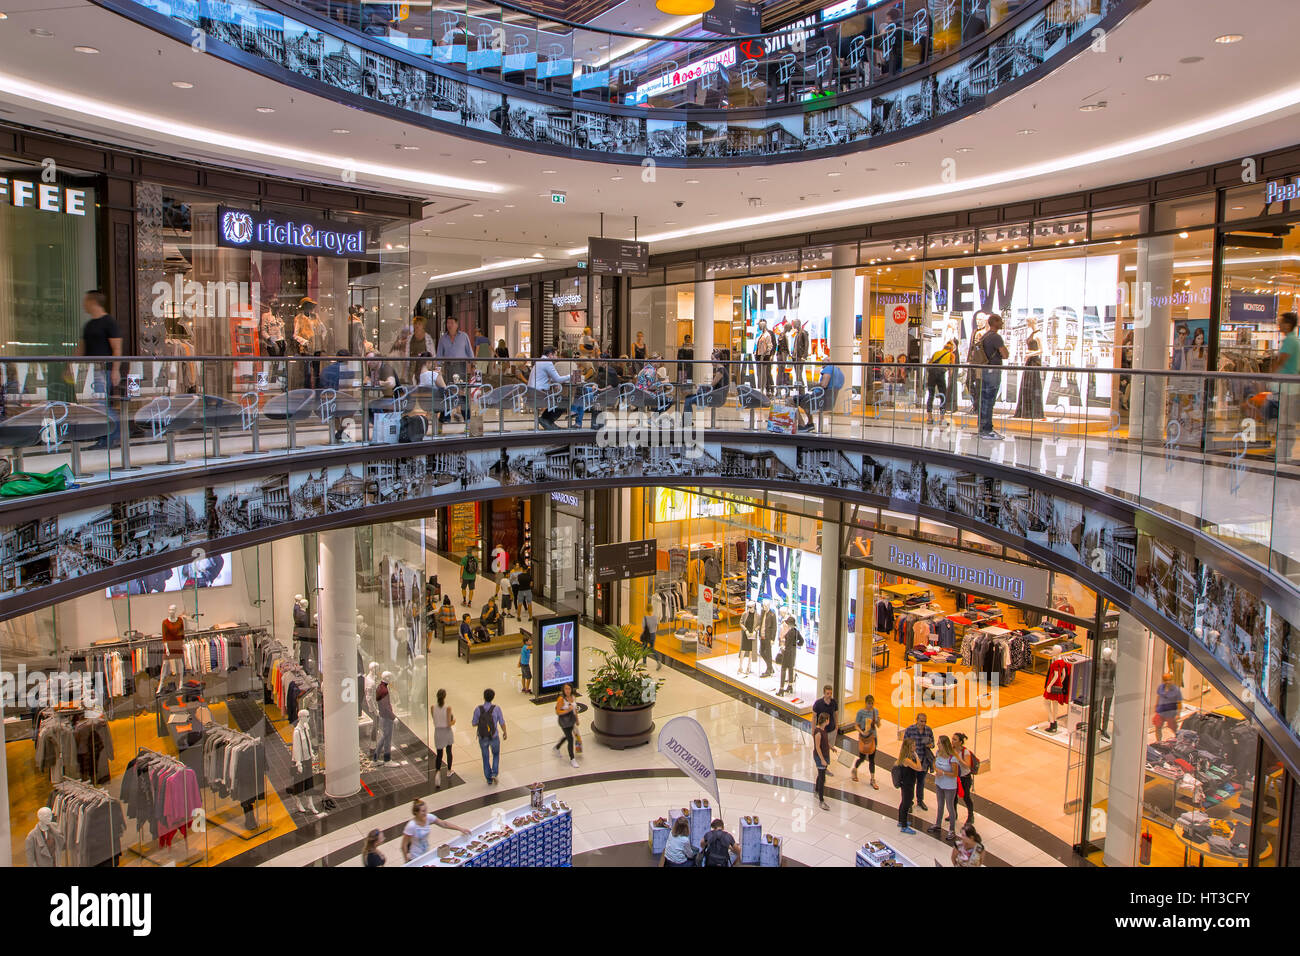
922 738
994 350
566 715
650 631
936 380
468 575
965 775
828 705
1169 700
383 752
968 850
910 772
718 846
526 665
370 855
868 722
101 336
453 351
945 788
821 749
490 725
679 851
415 836
524 597
443 737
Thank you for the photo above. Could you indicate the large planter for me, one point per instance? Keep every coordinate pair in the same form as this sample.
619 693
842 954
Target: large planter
620 729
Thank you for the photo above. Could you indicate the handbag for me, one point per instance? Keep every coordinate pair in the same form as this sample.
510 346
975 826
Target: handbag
867 745
577 742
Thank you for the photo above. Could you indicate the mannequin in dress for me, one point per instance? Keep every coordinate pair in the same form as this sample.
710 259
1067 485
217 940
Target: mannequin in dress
173 638
1029 400
767 625
1056 688
748 625
303 756
1106 687
368 702
45 844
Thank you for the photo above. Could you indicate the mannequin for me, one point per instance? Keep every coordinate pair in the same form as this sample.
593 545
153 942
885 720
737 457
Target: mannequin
45 844
173 636
303 756
748 625
300 611
1029 401
791 641
383 752
1055 691
368 702
1106 687
766 635
363 629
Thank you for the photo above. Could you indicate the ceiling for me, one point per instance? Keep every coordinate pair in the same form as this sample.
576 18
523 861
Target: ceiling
489 208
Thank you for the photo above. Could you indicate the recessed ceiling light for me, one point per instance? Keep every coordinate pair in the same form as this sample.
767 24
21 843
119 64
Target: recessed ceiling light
510 205
341 132
478 215
182 85
616 179
1092 107
1025 132
1157 77
1228 38
40 32
1182 235
1238 208
902 163
449 224
833 173
965 149
4 16
266 109
692 182
88 50
407 146
710 215
670 222
548 172
479 162
1191 59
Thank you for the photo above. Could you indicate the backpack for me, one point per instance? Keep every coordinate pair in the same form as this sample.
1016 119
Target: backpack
411 429
486 725
471 566
715 851
896 775
974 763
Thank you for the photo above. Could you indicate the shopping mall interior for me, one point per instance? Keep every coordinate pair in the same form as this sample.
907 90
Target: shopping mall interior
588 422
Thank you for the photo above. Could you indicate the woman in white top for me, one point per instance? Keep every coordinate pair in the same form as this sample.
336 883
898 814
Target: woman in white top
679 851
443 735
968 850
415 838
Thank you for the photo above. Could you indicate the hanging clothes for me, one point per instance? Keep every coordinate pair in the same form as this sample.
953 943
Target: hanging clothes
90 822
1057 684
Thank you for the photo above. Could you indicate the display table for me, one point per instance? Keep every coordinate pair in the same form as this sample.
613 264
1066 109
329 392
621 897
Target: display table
1203 850
547 841
904 592
880 854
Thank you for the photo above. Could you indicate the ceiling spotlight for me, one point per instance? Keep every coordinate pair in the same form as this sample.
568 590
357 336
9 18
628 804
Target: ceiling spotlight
266 109
548 172
692 182
833 173
616 179
182 85
1093 107
4 16
407 146
1025 132
1182 235
1228 38
902 163
510 205
1157 77
88 50
478 215
479 162
341 132
965 149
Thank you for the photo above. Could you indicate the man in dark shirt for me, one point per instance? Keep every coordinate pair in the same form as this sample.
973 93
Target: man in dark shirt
994 351
827 704
922 738
101 336
718 846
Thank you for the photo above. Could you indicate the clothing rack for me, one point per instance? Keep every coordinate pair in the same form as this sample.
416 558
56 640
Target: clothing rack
161 792
228 774
91 822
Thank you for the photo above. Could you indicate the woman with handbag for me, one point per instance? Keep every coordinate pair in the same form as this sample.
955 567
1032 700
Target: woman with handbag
566 714
966 775
868 721
906 772
821 747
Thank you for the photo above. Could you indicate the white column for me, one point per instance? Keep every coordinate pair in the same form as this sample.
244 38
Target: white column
844 310
6 848
1151 305
702 372
1128 744
338 651
831 621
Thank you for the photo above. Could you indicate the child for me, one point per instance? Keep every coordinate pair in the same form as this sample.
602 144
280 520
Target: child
525 665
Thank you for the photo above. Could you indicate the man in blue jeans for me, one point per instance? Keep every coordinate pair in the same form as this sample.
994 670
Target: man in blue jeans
490 726
995 350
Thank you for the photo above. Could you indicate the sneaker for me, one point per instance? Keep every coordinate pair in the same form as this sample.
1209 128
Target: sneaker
823 805
921 806
950 837
573 763
934 828
906 830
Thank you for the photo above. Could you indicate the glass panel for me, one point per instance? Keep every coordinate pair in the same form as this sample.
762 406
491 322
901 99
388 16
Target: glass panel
1114 223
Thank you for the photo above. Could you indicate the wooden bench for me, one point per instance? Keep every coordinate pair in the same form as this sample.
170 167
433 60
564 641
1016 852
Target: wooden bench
509 642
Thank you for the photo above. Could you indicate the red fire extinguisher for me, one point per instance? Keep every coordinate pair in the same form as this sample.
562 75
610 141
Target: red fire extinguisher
1144 848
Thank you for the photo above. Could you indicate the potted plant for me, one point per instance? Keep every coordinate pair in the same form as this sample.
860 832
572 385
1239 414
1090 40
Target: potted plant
622 693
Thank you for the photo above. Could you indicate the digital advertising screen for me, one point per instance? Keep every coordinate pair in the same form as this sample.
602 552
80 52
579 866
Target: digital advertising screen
212 571
557 653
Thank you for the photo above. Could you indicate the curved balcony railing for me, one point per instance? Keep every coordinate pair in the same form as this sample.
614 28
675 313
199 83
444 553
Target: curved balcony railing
853 79
231 452
1214 451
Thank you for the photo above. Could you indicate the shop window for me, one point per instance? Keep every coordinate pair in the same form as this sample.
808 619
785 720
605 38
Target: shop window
957 243
891 250
1184 213
1065 231
1004 238
1261 199
1117 223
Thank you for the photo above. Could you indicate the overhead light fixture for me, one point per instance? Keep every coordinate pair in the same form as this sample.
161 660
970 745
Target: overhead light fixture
902 163
1228 38
548 172
341 132
510 205
834 173
1092 107
684 8
692 182
479 162
478 215
1182 235
182 85
965 149
88 50
615 179
4 16
1157 77
266 109
407 146
1025 132
41 32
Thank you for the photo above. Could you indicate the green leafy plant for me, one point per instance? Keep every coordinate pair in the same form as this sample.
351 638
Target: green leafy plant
622 681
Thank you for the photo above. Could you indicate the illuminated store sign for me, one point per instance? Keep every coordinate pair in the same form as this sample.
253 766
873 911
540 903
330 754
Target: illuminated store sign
688 73
565 299
564 498
45 197
244 229
962 570
1281 191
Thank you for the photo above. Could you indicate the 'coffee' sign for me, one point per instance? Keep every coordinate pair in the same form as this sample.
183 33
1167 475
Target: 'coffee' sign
45 197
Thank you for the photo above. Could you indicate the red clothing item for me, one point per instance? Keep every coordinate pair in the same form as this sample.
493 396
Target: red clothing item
173 636
1057 685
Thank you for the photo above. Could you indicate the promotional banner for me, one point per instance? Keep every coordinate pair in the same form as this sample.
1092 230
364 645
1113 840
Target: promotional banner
557 653
684 742
791 580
